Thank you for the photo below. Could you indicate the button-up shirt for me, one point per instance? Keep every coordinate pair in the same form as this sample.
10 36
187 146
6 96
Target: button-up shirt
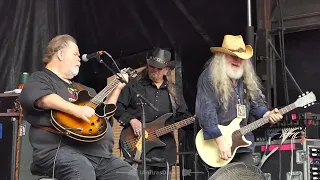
210 111
128 107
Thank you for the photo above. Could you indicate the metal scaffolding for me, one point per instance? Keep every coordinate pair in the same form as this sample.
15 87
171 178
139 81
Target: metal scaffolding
272 25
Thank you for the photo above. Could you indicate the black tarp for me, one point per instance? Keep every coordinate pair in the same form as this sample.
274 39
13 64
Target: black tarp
127 29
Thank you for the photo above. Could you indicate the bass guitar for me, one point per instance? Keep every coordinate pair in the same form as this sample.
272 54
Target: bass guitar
154 129
234 135
94 130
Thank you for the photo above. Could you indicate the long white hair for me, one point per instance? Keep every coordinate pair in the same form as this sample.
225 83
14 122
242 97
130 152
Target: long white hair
223 85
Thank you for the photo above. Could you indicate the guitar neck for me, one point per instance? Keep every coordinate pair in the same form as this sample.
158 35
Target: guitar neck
172 127
256 124
98 99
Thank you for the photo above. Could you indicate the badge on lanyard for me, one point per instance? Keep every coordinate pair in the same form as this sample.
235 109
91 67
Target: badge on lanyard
241 111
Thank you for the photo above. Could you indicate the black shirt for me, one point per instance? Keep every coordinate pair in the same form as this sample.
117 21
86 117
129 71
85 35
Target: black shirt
42 83
128 107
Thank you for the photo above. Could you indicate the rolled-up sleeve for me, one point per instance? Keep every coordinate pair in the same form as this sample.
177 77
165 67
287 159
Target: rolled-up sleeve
206 108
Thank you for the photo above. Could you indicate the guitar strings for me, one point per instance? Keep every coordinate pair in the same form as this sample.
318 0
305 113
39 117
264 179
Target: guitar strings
114 84
96 100
154 134
256 124
105 91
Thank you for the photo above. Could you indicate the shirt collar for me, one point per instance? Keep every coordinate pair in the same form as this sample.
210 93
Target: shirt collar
147 81
238 82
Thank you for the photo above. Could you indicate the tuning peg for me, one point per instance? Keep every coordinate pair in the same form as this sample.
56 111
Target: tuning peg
312 103
303 94
307 92
299 96
304 106
309 104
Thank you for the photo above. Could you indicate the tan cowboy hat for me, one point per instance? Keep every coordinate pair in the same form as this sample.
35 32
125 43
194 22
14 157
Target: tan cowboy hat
234 45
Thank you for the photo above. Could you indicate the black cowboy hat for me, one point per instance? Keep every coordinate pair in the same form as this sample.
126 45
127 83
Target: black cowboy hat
160 58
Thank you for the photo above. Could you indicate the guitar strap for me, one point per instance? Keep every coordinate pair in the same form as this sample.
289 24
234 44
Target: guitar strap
78 87
49 129
246 97
173 104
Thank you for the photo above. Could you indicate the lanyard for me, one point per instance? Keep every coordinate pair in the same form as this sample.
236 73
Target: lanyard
244 93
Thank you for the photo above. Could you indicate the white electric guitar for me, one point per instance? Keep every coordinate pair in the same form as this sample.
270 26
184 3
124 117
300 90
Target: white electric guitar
234 135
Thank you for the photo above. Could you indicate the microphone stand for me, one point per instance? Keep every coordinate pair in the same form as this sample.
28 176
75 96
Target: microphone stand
144 166
141 98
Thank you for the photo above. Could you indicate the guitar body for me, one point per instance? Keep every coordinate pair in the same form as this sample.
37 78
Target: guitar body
77 128
208 149
233 134
128 139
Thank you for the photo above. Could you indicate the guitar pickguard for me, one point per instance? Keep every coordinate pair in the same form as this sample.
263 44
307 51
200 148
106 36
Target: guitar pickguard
105 110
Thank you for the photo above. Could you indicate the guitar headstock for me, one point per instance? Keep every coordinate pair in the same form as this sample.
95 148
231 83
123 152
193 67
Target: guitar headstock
139 143
305 100
131 72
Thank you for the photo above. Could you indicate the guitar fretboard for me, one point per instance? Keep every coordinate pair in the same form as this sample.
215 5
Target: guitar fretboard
172 127
256 124
98 99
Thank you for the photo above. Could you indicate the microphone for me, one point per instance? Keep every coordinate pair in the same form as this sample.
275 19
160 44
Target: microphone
86 57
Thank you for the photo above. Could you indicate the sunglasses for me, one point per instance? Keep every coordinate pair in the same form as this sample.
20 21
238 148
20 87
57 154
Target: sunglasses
155 67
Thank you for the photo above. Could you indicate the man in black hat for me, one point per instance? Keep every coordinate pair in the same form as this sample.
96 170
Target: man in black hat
157 87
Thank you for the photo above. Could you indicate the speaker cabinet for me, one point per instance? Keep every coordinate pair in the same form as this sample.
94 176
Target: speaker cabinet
8 133
9 116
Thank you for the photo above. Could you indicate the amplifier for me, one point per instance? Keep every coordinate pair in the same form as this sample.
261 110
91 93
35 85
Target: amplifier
299 160
12 163
8 128
9 117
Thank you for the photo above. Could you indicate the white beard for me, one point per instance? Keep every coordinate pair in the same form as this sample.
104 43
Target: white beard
234 74
72 73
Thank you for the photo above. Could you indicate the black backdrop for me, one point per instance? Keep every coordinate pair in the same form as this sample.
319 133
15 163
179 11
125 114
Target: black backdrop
127 29
302 60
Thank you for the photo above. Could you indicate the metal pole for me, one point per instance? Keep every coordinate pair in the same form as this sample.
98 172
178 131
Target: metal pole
250 31
249 12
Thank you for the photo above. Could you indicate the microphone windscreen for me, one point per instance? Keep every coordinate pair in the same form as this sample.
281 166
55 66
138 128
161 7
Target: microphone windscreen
84 58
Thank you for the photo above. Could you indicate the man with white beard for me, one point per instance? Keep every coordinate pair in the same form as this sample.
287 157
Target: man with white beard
227 85
54 153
